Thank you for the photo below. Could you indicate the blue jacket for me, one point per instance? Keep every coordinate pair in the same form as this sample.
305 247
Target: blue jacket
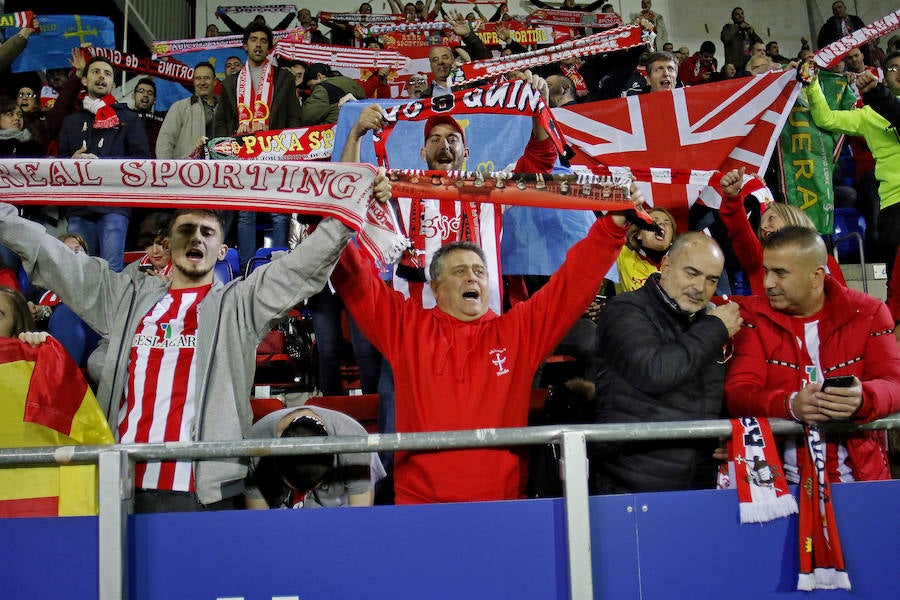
127 140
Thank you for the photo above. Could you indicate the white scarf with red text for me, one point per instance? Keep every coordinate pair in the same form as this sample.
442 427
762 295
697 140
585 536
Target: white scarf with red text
255 100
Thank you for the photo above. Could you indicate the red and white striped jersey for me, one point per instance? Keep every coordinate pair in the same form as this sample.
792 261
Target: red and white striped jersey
159 404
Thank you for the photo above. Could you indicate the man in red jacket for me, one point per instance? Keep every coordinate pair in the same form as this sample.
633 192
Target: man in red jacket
808 329
460 365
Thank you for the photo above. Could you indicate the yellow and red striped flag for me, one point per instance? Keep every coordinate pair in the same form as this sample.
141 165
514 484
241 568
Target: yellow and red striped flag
45 401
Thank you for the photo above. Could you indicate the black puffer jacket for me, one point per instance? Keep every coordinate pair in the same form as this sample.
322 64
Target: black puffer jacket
654 363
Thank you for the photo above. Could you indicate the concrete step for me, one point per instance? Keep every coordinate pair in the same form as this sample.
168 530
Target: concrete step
876 278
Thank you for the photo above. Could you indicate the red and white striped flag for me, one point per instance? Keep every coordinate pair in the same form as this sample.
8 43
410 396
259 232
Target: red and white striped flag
698 130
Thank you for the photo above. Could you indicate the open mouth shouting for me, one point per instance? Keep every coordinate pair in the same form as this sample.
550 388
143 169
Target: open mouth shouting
194 255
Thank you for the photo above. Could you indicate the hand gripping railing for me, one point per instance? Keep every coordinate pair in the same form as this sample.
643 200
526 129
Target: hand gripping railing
116 464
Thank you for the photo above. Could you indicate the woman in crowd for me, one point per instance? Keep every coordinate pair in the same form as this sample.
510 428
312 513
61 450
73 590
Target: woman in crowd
747 245
15 139
152 234
15 318
643 251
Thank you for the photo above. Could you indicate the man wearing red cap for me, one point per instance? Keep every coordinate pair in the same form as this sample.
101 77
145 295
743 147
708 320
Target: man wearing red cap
431 224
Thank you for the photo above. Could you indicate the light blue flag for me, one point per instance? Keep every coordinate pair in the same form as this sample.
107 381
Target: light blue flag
535 240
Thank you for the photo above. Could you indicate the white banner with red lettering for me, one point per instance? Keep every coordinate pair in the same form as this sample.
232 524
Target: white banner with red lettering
831 54
339 190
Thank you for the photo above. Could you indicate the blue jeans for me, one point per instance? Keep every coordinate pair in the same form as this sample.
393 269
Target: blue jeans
325 309
246 223
105 236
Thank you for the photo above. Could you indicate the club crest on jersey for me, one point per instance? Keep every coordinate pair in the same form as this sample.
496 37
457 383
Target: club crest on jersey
499 358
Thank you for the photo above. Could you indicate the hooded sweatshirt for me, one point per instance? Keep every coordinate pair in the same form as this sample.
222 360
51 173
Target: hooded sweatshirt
455 375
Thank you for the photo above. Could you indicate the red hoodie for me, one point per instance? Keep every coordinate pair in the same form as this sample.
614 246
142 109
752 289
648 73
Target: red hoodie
454 375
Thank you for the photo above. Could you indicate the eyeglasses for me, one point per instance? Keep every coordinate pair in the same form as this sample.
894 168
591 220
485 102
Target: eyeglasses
26 94
892 68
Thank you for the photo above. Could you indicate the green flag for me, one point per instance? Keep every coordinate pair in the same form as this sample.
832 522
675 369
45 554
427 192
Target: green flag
807 154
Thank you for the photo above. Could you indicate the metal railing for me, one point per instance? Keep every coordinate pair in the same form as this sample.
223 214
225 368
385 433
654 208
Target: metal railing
116 466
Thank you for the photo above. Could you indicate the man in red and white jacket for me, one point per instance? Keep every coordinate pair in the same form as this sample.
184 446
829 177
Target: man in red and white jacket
810 328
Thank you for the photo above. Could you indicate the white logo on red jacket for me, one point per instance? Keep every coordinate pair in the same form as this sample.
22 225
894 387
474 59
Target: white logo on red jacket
499 360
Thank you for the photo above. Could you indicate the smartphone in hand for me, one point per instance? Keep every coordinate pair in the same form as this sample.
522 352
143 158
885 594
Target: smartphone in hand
840 381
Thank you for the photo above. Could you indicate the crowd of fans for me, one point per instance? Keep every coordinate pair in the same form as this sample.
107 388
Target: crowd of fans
669 346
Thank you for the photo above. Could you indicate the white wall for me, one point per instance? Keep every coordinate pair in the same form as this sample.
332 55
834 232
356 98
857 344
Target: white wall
689 22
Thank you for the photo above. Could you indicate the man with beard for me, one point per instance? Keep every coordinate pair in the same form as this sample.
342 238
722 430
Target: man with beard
660 358
144 97
103 128
182 353
259 97
738 38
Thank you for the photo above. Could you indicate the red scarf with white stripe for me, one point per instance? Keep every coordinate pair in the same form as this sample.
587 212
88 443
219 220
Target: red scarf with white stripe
255 100
821 558
105 116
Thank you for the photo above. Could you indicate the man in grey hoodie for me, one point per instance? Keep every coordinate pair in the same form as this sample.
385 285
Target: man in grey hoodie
181 354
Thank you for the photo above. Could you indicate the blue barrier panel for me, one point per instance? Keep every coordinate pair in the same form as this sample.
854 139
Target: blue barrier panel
682 545
693 546
483 550
48 558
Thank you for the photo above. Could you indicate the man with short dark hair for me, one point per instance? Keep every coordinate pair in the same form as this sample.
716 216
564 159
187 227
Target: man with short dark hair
737 38
807 329
838 25
774 54
328 90
103 128
700 67
190 120
233 65
259 97
182 353
460 365
144 97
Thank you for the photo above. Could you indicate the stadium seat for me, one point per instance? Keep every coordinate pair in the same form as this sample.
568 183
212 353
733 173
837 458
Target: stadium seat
228 268
263 256
848 221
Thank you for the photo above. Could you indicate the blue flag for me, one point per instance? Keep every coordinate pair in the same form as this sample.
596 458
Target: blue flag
52 47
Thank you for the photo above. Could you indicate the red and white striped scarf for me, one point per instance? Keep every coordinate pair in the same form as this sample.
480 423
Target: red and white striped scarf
821 557
757 473
339 56
255 98
105 116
